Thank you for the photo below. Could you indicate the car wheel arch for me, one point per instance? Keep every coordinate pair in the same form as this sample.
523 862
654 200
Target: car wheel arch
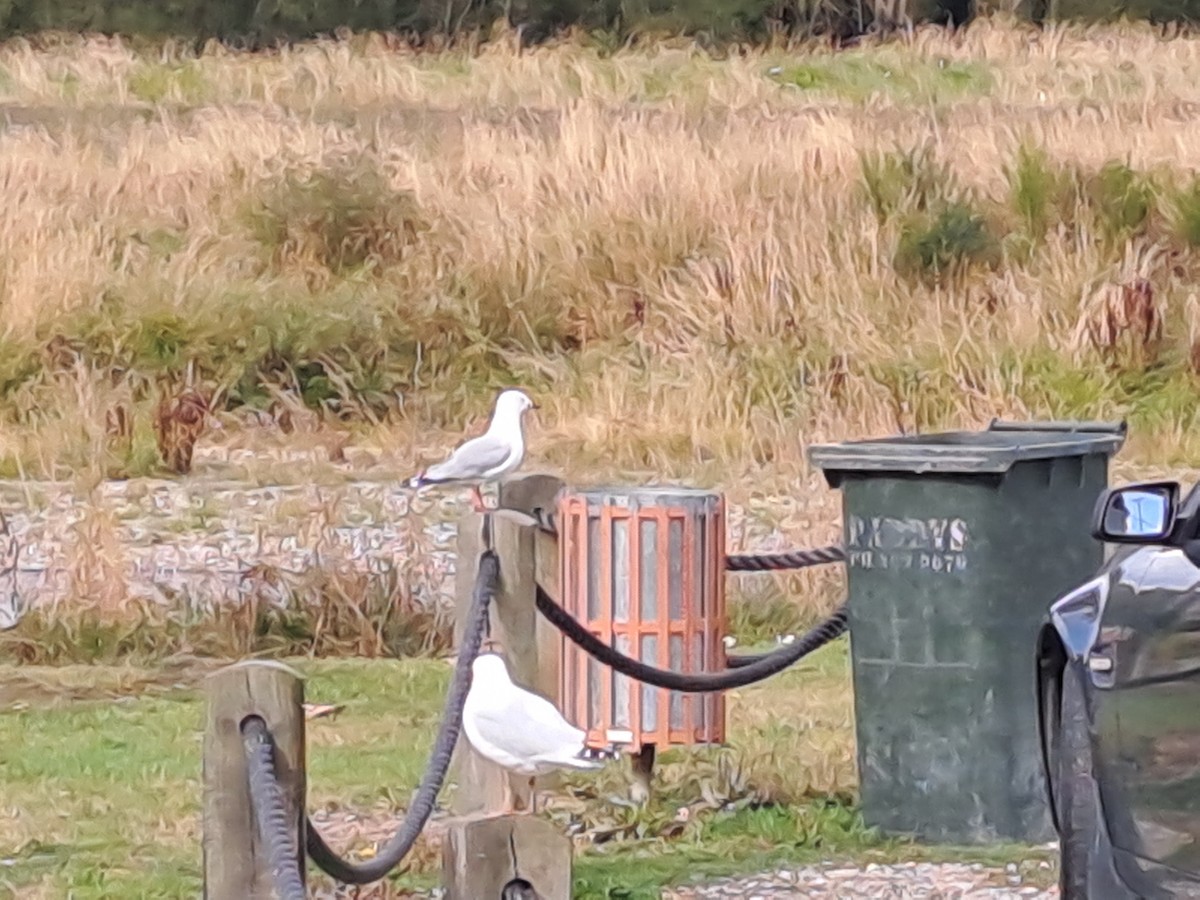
1052 658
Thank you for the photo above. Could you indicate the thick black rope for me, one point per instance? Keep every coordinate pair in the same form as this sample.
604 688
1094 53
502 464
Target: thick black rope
547 521
270 811
771 562
741 660
701 682
737 562
792 559
439 761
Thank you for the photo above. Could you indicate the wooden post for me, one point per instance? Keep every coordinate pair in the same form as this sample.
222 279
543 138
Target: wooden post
530 645
235 862
485 853
482 857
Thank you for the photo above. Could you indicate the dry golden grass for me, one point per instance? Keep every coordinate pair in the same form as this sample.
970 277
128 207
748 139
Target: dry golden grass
685 257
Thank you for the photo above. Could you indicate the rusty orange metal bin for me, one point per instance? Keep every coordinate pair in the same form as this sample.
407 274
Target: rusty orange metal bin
643 570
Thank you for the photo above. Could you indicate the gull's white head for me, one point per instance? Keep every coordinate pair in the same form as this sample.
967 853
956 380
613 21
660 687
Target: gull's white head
511 405
489 669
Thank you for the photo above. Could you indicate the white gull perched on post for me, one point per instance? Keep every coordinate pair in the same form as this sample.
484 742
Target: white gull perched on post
487 458
519 730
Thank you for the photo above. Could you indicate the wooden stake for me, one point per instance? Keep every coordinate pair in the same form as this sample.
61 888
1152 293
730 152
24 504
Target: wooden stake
529 647
236 866
489 859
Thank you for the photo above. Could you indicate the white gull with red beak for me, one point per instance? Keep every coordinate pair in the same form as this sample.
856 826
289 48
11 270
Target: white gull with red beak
487 458
519 730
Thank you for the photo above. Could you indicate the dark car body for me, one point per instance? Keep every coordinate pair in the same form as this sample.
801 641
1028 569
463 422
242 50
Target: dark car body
1121 654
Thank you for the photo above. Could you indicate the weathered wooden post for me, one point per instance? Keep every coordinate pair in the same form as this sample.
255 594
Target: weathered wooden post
485 850
484 856
236 866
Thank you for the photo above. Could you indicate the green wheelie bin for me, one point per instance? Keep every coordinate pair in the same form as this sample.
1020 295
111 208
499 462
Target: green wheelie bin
956 545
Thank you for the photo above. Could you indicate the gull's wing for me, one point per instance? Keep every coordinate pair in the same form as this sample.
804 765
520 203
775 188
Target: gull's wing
527 726
471 460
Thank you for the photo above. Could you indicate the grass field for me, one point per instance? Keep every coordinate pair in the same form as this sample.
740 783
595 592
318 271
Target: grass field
700 265
100 789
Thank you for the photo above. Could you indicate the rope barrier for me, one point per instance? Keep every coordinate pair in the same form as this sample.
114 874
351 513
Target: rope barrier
547 521
268 800
701 682
270 811
439 761
792 559
741 660
773 562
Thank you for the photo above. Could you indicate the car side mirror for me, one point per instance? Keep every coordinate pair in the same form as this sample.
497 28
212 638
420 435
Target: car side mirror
1137 513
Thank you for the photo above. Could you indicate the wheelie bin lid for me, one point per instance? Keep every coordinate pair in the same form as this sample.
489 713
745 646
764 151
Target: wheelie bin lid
992 451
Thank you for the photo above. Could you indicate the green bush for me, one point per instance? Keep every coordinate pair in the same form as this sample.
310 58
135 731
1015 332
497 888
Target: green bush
938 244
342 218
1185 214
903 181
1120 198
1041 193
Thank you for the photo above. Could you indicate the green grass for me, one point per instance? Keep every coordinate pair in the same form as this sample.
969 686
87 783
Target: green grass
108 749
182 83
102 796
860 76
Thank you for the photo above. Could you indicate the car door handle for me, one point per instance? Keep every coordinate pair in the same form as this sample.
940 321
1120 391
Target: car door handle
1100 664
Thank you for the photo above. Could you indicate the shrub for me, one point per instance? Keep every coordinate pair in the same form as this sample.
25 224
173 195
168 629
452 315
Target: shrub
941 243
1120 199
1185 214
903 180
1041 193
341 218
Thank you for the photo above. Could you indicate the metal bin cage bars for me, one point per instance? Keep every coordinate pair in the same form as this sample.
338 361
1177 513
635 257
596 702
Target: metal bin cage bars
643 570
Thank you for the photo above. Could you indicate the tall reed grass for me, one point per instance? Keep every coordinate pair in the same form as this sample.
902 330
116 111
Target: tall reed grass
700 265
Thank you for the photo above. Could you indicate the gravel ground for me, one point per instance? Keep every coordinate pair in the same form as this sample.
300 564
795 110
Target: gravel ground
927 881
833 881
830 880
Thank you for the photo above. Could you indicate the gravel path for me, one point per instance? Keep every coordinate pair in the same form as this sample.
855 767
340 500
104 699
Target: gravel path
834 881
899 881
830 880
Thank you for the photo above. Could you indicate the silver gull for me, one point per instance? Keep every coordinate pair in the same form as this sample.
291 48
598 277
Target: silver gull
497 452
519 730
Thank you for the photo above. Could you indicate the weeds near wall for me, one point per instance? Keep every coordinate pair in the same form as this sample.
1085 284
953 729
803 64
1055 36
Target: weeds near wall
325 614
